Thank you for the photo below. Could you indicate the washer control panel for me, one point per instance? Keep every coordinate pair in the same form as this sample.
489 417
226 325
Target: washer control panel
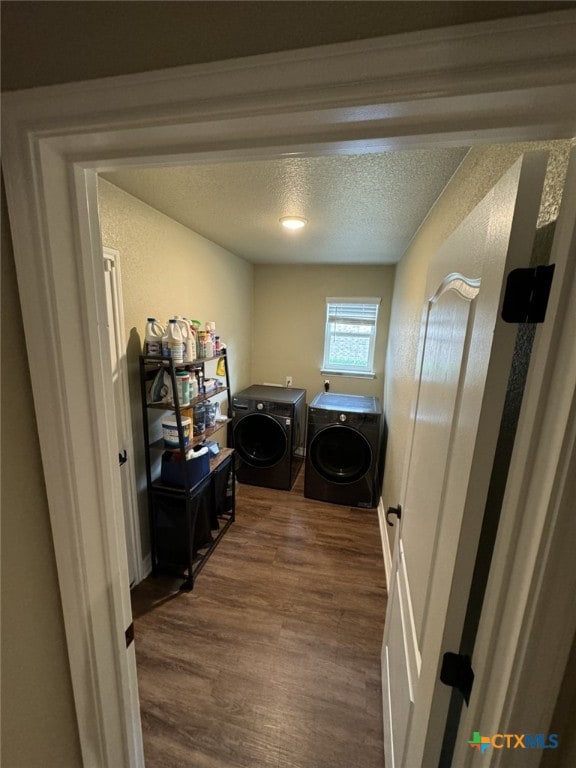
354 420
282 410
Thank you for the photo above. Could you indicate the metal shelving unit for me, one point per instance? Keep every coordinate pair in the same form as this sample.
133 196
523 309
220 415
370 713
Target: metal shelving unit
188 519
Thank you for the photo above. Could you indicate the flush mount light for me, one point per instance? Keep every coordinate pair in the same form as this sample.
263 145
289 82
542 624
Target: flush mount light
293 222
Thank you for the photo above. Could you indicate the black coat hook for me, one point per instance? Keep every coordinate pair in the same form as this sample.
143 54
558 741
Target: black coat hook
393 511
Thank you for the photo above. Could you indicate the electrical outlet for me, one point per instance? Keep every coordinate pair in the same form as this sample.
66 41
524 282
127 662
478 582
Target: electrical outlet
288 381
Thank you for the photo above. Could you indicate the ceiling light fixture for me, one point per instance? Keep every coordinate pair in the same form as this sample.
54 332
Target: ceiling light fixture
293 222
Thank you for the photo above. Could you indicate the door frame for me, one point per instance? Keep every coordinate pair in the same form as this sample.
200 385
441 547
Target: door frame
134 538
491 82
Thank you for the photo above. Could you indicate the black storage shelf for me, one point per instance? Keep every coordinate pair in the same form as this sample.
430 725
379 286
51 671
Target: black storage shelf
187 522
194 401
195 439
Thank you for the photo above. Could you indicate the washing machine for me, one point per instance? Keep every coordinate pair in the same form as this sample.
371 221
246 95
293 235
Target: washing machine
343 443
269 426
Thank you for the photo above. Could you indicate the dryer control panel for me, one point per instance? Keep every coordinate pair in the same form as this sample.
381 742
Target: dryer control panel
241 405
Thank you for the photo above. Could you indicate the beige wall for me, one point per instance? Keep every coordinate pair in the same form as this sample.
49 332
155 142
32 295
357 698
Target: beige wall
56 42
289 318
169 270
38 718
477 173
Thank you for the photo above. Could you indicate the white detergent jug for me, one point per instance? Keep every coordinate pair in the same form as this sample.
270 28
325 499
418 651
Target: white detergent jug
174 343
153 337
192 341
184 325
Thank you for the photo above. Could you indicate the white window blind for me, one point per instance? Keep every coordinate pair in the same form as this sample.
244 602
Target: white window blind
350 336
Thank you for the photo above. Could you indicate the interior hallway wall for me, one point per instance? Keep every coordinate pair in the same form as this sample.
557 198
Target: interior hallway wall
36 692
167 269
289 322
41 41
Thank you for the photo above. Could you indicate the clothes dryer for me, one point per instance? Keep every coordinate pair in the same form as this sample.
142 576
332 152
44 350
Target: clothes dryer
343 444
269 425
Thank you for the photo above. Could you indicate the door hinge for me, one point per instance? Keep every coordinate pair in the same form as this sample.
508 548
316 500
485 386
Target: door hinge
129 634
527 293
122 458
457 672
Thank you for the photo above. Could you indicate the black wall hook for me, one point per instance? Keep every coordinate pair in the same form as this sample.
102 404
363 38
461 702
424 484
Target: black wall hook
393 511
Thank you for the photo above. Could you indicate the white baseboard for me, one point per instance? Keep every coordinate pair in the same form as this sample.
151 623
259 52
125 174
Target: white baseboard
146 566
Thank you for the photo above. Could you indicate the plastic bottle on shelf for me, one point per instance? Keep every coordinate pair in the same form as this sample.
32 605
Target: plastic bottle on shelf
184 325
175 345
183 387
193 386
153 337
195 326
206 348
211 328
201 344
199 419
192 340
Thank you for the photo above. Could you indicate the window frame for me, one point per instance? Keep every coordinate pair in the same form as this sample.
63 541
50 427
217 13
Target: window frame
329 335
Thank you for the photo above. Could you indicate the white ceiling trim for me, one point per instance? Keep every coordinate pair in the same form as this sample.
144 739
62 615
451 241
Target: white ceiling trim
495 81
377 88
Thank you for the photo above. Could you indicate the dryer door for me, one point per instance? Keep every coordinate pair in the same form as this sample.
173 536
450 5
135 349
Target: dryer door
340 454
260 440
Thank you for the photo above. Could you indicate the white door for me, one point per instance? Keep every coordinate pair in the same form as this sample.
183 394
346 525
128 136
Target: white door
462 373
121 403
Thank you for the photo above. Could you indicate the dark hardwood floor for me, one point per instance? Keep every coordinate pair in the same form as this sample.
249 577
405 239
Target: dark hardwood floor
273 660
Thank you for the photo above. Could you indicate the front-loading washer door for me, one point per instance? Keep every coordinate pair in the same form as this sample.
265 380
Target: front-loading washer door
340 454
260 440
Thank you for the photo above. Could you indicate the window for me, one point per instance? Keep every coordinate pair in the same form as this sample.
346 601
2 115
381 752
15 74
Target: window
350 337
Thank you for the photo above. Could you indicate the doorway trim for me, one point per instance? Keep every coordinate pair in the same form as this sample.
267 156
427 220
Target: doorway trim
495 81
111 258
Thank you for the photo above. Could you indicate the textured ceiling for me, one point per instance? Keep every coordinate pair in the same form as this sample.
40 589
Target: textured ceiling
361 209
